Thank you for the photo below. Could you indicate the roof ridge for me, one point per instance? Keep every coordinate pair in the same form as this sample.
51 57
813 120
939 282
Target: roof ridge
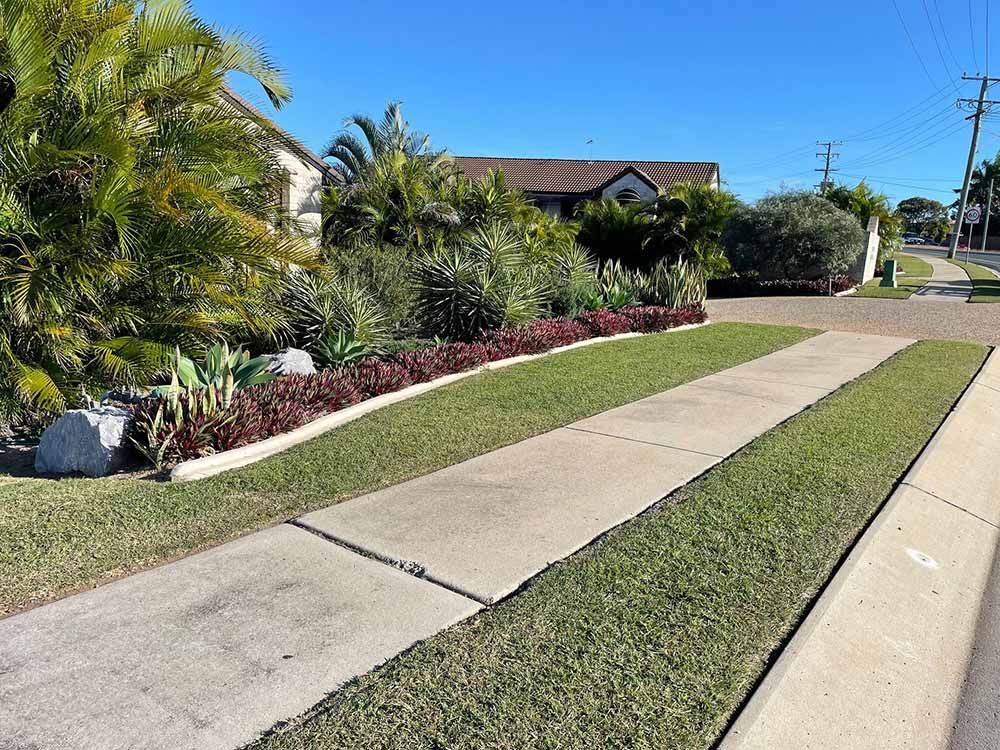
586 161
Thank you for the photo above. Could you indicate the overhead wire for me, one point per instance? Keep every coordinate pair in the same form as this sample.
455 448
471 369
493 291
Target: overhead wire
916 52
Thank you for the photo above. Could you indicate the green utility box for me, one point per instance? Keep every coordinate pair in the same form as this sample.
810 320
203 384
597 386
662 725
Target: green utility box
889 274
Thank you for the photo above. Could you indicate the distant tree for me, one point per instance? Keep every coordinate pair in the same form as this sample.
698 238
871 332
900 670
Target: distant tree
989 169
924 216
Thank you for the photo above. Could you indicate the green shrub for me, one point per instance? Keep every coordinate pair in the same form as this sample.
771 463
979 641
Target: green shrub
481 284
325 307
793 235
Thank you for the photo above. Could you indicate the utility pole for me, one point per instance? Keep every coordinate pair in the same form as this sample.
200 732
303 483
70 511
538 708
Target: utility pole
986 224
980 104
829 156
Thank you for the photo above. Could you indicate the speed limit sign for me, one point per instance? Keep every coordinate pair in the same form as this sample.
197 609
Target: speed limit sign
973 214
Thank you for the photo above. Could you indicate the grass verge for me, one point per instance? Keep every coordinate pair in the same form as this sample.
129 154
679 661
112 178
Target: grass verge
918 273
985 285
57 536
653 636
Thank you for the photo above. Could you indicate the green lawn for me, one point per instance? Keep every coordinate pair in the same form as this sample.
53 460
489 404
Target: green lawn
918 273
985 286
653 636
56 536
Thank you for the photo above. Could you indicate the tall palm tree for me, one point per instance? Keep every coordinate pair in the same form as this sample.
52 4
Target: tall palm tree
392 135
135 206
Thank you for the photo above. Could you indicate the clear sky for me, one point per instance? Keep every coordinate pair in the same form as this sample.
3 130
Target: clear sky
750 84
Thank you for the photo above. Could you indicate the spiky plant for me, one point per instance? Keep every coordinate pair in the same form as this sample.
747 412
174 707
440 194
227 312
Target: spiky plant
135 205
478 285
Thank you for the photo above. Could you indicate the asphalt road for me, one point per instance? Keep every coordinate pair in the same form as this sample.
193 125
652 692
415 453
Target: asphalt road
990 260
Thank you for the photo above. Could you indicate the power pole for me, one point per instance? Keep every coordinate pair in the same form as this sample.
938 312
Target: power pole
829 156
980 104
986 224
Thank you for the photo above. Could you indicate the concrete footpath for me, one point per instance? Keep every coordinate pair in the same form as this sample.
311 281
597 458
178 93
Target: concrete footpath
903 648
949 283
210 651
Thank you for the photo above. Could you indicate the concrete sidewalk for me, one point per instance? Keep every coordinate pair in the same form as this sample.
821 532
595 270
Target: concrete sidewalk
949 283
903 650
212 650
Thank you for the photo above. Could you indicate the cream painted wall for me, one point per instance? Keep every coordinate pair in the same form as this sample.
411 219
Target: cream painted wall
305 189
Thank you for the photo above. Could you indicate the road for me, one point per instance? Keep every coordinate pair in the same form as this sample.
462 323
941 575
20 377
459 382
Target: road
990 260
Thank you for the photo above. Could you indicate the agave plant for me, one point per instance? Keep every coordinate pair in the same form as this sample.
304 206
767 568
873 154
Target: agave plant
222 372
340 349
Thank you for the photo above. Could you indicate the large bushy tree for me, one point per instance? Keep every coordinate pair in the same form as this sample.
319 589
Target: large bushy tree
135 206
793 235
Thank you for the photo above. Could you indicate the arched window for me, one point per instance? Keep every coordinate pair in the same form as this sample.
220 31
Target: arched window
628 195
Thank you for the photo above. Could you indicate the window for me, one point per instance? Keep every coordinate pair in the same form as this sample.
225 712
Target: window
628 195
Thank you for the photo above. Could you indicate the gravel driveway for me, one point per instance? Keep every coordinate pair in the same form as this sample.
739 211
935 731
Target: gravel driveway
888 317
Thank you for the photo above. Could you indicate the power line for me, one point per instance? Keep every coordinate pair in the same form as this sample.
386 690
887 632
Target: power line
987 51
972 39
937 44
938 95
914 46
931 140
878 181
947 41
914 138
908 128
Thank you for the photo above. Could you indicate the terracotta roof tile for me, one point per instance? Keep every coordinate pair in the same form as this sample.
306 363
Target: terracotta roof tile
581 175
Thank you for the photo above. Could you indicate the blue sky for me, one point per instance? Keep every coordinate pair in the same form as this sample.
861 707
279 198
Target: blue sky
749 84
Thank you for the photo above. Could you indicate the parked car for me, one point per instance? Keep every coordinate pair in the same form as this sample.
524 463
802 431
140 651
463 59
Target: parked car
912 238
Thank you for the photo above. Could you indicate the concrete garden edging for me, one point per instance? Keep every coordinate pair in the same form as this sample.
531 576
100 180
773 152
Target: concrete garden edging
207 466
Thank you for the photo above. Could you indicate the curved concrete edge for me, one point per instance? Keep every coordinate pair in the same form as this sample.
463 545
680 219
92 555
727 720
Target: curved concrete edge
207 466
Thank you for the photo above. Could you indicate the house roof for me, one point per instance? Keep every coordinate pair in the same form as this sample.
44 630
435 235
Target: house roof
583 175
290 140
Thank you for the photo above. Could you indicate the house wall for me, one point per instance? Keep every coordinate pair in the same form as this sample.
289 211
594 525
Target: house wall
305 190
646 193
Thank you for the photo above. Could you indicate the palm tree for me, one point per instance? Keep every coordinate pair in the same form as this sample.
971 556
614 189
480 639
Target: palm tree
865 203
135 206
356 156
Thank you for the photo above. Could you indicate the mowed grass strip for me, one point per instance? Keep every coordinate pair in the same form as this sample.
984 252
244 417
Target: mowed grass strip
57 536
985 285
918 273
652 637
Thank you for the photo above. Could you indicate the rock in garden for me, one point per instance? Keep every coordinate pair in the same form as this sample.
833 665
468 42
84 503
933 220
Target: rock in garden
292 362
89 441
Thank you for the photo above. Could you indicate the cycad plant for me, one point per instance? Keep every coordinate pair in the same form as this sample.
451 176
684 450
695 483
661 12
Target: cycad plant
135 206
477 285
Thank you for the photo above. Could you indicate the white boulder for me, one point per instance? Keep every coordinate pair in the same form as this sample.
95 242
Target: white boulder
89 441
292 362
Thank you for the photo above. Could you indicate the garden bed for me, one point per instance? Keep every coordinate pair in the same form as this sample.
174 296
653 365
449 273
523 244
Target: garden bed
751 286
262 413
